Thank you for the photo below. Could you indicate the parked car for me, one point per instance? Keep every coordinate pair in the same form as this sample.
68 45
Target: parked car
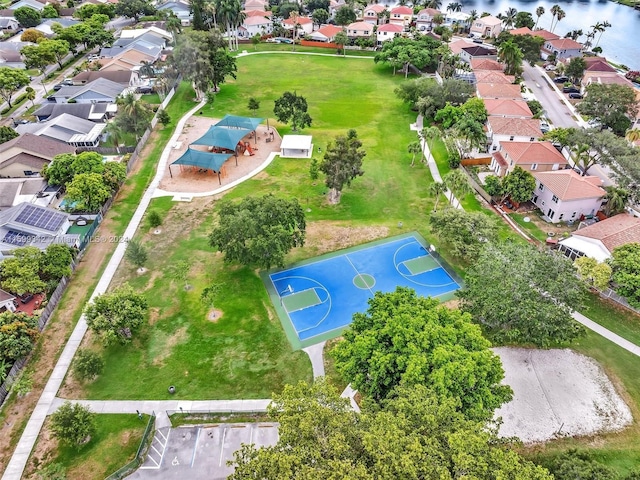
575 95
144 89
550 68
478 40
273 40
26 298
57 87
561 79
571 89
67 82
544 127
93 57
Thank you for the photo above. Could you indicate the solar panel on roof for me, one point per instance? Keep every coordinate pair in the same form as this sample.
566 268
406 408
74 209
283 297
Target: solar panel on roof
40 218
15 238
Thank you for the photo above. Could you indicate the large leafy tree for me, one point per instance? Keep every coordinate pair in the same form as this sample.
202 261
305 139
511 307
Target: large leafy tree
342 163
520 294
259 231
292 108
575 69
116 315
65 166
612 105
87 10
593 146
73 423
464 232
88 191
345 15
524 19
134 8
404 339
21 273
518 185
27 17
7 133
404 52
134 115
529 45
11 80
55 262
18 333
427 96
415 434
511 55
626 272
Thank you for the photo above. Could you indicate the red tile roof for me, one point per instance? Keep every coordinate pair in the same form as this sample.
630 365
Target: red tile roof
300 21
520 127
402 10
569 185
499 90
547 35
391 27
507 107
486 64
376 8
329 31
614 232
432 12
565 44
526 153
500 159
521 31
493 76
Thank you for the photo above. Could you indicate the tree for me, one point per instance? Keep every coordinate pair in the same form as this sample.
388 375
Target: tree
509 17
49 12
464 232
611 105
436 189
345 15
253 105
27 17
575 465
414 148
30 94
511 55
88 191
341 40
31 35
18 334
73 423
493 186
536 108
291 107
616 200
64 167
404 339
320 16
539 13
52 471
593 272
458 183
342 163
575 69
255 40
134 115
154 219
519 294
163 117
134 9
625 263
529 45
116 315
259 231
21 273
524 19
56 49
7 133
593 146
403 52
12 80
518 185
427 96
87 365
55 262
88 10
137 253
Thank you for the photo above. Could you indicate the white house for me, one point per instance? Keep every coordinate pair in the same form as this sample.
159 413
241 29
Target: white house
75 131
600 239
530 156
401 16
488 26
9 24
566 196
359 30
506 129
255 25
296 146
424 19
371 14
6 302
562 48
388 32
182 10
305 24
326 33
35 4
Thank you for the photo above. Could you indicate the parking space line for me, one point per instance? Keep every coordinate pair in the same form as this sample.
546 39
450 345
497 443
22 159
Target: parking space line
251 435
164 447
224 434
195 448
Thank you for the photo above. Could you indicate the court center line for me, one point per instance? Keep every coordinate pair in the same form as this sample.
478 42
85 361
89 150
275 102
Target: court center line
358 272
195 448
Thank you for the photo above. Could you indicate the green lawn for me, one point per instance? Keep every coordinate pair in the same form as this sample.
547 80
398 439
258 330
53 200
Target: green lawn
151 98
613 317
529 227
115 443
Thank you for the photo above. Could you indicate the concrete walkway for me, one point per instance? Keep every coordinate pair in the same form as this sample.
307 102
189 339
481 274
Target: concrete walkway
608 334
21 454
316 355
334 55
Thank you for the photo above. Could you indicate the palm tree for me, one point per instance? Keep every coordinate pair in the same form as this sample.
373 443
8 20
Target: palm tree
436 189
174 25
146 69
616 199
114 132
559 16
429 134
511 55
458 183
539 13
473 16
582 157
554 11
437 4
341 40
454 7
603 26
509 17
414 148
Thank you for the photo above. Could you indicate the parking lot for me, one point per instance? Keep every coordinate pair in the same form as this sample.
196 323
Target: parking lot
200 453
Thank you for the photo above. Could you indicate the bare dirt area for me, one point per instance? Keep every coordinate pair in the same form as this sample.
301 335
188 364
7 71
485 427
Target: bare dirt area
195 180
325 236
558 393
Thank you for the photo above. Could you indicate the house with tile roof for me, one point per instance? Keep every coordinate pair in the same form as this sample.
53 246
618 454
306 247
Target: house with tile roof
562 48
424 19
486 64
567 196
598 64
305 24
129 60
24 156
507 129
326 33
505 107
401 15
493 76
530 156
255 25
255 4
359 30
499 90
601 238
544 34
371 14
477 52
488 26
388 32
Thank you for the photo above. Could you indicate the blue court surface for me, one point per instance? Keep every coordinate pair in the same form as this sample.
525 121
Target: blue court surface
316 299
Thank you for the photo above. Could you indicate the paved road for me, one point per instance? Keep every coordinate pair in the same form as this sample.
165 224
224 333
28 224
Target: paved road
555 109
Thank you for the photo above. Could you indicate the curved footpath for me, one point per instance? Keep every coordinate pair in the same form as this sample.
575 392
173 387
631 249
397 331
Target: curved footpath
48 401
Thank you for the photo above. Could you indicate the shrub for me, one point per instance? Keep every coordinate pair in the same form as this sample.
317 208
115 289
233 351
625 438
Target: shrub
87 365
154 219
73 424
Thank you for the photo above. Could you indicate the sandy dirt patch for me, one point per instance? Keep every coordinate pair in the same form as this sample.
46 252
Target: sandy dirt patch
323 236
214 315
558 393
189 180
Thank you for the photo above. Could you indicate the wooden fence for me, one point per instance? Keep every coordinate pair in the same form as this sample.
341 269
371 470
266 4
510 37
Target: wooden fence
476 186
313 43
476 161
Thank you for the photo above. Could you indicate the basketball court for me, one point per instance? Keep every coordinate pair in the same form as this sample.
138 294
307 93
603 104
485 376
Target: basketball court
316 299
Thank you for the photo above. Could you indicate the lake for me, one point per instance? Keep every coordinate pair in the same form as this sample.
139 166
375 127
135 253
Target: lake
620 43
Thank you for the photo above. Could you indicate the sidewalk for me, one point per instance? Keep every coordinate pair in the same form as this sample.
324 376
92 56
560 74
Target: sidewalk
608 334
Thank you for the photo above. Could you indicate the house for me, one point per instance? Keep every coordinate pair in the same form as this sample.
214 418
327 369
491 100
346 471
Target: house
493 76
35 4
545 34
456 46
148 43
305 24
451 18
182 10
477 52
605 78
359 30
24 156
9 24
45 27
126 78
33 225
424 19
488 26
134 33
255 5
388 32
130 60
34 190
100 90
478 64
6 302
95 112
255 25
505 107
371 14
600 239
530 156
506 129
68 129
296 146
10 54
401 16
598 64
499 90
562 48
326 33
566 196
521 31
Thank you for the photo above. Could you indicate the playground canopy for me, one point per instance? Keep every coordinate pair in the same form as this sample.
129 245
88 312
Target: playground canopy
222 137
235 121
196 158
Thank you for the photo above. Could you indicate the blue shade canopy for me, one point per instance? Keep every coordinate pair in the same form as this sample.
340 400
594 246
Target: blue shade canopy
222 137
196 158
234 121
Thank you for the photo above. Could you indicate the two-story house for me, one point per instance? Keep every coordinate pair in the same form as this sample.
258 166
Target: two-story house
304 24
499 90
424 19
530 156
359 30
562 48
388 32
475 52
372 14
401 16
565 196
505 107
505 129
488 26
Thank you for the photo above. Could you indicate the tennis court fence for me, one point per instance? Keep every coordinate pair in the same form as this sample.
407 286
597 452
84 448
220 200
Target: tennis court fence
145 443
447 268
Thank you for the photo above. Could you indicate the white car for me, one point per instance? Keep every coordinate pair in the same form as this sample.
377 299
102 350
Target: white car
550 68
